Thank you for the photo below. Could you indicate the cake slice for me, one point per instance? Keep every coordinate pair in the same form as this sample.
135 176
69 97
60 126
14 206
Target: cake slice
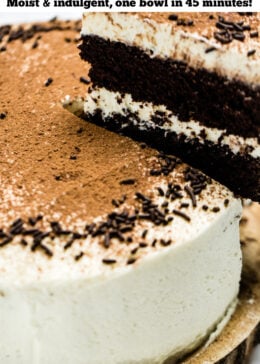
188 84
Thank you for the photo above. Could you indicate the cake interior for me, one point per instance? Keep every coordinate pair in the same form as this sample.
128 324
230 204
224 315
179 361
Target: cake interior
141 90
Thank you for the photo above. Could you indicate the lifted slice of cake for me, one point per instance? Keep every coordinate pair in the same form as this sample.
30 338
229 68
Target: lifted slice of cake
188 84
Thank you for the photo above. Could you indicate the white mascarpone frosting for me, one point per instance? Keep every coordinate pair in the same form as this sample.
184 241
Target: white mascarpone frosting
165 304
143 115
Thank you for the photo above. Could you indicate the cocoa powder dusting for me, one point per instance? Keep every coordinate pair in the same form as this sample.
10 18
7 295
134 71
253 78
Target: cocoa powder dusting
38 138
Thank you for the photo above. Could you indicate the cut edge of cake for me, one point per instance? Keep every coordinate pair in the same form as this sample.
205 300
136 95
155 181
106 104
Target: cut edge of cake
225 147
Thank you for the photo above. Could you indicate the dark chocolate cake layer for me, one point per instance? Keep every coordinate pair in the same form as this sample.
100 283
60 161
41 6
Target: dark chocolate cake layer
189 93
232 170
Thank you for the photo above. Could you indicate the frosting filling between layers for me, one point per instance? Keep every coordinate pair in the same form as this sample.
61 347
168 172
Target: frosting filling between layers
147 115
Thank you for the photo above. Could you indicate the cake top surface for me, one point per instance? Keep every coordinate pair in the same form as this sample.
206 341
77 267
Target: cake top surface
229 30
206 23
74 197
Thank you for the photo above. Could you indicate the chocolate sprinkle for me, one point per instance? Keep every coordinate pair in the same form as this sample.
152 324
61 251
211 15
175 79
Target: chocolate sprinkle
210 49
160 190
181 214
131 261
16 230
226 202
33 220
4 30
56 227
238 27
79 256
184 22
2 234
24 242
80 130
246 27
173 17
17 222
238 36
69 243
30 232
46 250
108 261
115 203
107 240
129 181
223 38
6 241
224 25
248 13
254 34
184 205
251 53
154 243
48 82
16 227
144 233
165 242
84 80
140 196
35 44
142 245
135 250
165 204
190 192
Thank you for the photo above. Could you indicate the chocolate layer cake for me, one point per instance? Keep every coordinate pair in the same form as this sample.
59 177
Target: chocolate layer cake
110 252
188 84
